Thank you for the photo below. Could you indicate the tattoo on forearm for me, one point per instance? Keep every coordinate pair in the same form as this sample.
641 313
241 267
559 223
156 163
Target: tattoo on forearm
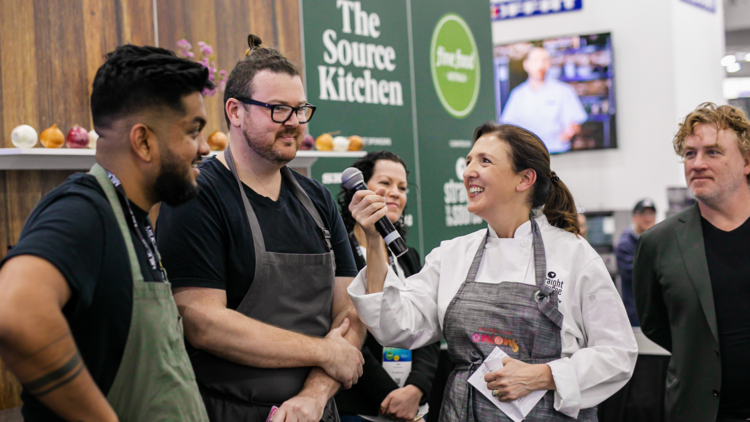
57 378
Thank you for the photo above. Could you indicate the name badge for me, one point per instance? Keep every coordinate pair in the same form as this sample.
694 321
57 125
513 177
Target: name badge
397 362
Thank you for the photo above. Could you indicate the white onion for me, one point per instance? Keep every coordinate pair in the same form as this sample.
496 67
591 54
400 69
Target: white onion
24 136
340 143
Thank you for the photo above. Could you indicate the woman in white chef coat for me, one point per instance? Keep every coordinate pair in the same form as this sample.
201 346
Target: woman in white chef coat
528 285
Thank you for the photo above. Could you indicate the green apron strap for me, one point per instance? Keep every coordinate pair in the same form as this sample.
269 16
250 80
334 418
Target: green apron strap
109 190
155 381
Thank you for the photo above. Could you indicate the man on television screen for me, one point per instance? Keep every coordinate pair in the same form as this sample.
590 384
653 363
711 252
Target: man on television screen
549 108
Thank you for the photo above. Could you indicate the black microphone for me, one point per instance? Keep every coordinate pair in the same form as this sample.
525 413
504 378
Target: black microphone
352 179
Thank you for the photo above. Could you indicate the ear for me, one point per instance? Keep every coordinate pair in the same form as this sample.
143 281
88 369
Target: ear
235 111
528 178
143 142
746 158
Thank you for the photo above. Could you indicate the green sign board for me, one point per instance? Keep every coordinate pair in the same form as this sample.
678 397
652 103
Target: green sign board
410 76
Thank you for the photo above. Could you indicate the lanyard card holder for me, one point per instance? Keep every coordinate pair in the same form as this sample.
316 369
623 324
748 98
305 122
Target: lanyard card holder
397 362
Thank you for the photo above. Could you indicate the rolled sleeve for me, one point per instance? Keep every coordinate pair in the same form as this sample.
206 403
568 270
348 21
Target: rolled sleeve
568 392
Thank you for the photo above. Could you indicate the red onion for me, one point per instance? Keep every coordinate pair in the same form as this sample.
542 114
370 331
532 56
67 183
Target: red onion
77 137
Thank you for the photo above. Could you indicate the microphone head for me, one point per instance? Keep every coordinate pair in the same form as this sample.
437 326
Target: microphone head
351 177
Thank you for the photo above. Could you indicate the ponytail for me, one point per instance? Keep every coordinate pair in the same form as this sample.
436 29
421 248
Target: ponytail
527 151
560 208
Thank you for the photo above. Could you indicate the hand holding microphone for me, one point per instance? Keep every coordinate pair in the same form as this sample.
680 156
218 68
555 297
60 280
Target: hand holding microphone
369 210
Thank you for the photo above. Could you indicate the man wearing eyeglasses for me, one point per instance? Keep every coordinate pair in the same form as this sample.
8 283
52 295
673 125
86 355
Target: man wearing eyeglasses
260 262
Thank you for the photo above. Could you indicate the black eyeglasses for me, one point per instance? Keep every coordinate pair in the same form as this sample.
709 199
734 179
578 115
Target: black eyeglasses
281 113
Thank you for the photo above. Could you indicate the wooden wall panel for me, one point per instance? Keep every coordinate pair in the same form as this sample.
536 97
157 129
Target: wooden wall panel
135 22
18 67
10 390
288 30
263 21
101 38
225 24
3 216
63 94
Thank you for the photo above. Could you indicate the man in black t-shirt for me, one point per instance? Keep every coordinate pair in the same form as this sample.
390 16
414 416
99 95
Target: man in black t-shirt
87 321
260 262
691 274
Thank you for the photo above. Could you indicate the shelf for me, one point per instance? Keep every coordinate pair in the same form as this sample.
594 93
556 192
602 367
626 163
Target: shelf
83 159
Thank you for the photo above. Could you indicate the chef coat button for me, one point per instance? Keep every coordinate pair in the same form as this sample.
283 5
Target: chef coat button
716 393
592 298
524 244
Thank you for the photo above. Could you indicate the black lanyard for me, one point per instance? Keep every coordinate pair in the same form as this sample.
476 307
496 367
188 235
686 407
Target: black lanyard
151 250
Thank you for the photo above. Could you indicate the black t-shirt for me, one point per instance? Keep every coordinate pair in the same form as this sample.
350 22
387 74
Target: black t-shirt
207 242
728 257
75 229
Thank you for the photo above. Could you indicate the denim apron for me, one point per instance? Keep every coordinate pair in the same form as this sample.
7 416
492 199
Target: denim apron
521 319
289 291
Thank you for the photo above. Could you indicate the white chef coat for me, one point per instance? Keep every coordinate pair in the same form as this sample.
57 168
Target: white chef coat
598 347
547 111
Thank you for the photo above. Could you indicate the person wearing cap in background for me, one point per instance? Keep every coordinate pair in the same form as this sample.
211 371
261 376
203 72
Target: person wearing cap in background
644 217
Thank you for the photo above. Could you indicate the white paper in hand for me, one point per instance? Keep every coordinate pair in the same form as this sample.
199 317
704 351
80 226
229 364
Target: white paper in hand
517 409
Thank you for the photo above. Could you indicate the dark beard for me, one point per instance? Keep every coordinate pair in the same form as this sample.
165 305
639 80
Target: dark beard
266 151
173 185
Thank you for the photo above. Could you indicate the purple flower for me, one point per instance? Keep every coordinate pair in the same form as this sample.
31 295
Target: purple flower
222 73
190 55
208 92
222 85
206 49
184 44
205 62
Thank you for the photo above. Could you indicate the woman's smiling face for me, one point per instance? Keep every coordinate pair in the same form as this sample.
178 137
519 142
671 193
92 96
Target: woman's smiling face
489 178
391 176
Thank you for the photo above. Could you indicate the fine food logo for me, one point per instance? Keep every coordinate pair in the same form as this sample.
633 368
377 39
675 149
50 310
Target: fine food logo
454 62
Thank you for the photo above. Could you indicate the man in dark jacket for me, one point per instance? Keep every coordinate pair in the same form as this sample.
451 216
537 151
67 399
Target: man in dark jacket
690 274
644 217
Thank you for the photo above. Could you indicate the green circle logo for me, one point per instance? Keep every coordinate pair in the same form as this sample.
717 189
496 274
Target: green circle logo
454 60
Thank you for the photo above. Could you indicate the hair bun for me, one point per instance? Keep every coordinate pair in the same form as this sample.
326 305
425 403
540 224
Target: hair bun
253 41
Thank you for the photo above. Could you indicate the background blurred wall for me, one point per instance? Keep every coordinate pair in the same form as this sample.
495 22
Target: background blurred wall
667 61
50 51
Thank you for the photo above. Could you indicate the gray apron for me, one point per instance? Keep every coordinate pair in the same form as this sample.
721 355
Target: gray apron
154 381
289 291
521 319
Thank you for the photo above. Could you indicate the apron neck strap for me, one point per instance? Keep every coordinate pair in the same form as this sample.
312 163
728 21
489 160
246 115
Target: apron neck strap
540 259
307 202
258 242
109 190
298 192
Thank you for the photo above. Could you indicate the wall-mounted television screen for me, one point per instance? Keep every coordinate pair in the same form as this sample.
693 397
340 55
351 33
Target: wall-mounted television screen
562 89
